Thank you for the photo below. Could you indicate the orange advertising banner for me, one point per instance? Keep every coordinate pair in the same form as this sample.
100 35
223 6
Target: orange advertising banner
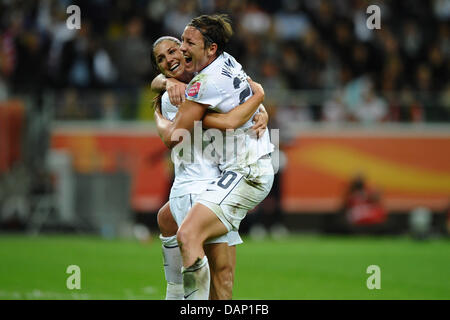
12 118
409 169
141 154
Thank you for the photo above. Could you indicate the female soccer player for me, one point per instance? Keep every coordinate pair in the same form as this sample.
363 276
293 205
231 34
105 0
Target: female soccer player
247 172
192 178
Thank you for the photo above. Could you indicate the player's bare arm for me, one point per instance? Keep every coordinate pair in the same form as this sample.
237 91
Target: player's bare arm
176 89
191 111
231 120
159 83
187 114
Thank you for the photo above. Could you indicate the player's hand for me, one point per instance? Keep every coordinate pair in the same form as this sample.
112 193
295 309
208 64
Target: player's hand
256 88
260 121
176 90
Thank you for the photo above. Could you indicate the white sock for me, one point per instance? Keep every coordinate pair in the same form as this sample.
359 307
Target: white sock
172 268
196 280
174 291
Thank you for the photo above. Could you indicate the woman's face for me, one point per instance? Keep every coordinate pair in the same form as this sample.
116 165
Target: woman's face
193 48
169 59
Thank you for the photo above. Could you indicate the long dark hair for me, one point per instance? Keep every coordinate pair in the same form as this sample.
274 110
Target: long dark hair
157 98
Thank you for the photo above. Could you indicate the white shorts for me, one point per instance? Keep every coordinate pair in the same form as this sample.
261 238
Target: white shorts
180 206
236 192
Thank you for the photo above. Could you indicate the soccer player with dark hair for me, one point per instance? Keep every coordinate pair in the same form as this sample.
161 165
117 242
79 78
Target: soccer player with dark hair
244 159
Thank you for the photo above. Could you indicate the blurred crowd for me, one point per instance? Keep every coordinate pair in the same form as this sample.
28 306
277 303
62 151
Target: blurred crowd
316 59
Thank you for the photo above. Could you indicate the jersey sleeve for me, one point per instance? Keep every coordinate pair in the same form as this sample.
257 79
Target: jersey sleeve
168 110
203 90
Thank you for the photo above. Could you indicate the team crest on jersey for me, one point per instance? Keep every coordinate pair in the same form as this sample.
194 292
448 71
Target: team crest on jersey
194 89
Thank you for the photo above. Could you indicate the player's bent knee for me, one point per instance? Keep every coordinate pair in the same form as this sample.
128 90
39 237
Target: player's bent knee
189 234
166 223
184 238
160 219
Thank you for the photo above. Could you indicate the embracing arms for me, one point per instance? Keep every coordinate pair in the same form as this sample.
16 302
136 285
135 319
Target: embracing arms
174 88
190 111
239 115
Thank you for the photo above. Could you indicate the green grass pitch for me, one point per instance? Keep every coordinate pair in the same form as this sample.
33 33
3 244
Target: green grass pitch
296 267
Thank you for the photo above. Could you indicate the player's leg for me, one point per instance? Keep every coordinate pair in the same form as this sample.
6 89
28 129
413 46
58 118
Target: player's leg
171 254
200 224
221 287
218 211
232 256
233 240
221 267
166 223
179 206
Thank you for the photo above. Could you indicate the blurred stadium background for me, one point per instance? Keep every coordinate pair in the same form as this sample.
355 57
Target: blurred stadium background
364 148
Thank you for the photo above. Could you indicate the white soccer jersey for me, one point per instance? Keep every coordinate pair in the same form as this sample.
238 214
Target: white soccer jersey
190 176
223 85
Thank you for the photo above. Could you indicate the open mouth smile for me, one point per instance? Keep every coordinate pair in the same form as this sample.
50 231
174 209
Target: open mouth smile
188 59
174 67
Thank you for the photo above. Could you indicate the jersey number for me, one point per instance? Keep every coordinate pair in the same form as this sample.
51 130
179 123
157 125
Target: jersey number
244 94
225 176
